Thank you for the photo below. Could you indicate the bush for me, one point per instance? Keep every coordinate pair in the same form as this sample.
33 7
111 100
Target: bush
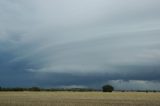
34 89
107 88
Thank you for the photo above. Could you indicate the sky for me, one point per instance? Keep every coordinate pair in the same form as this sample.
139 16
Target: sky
80 43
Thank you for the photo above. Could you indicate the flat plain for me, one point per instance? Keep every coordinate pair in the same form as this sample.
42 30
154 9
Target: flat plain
79 99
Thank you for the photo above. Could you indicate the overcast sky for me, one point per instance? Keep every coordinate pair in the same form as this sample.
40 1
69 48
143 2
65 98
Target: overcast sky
80 43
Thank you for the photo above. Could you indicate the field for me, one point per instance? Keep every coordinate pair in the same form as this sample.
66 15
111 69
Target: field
79 99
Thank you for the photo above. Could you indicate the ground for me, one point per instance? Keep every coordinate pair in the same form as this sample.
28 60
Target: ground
79 99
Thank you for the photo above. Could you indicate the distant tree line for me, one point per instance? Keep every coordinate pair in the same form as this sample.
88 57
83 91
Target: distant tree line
110 88
138 91
105 88
45 89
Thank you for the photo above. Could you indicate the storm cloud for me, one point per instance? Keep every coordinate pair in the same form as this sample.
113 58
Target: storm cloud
88 43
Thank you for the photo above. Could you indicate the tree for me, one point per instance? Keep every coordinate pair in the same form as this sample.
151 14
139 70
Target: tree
34 89
107 88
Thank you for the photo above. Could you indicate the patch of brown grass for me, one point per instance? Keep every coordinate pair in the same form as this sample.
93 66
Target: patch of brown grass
79 99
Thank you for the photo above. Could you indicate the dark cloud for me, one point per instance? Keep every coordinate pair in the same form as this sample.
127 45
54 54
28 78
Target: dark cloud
79 43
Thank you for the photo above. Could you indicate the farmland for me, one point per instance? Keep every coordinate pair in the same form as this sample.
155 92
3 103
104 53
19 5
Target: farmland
79 99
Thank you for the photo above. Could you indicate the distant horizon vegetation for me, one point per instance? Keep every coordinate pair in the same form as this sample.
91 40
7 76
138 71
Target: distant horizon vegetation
104 89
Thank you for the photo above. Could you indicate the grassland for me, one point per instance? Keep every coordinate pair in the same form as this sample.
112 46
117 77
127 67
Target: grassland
79 99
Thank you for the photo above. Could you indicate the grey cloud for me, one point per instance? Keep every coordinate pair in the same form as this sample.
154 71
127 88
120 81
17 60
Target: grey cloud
88 42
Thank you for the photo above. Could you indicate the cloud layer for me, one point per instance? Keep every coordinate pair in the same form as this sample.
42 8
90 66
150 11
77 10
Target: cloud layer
79 43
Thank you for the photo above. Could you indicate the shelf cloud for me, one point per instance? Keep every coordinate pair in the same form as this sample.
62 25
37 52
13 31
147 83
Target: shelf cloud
80 43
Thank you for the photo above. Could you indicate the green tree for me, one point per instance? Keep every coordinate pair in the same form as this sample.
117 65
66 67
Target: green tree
34 89
107 88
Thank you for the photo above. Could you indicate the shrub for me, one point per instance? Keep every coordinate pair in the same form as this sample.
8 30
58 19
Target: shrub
34 89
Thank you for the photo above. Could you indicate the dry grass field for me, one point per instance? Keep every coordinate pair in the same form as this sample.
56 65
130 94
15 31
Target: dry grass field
79 99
